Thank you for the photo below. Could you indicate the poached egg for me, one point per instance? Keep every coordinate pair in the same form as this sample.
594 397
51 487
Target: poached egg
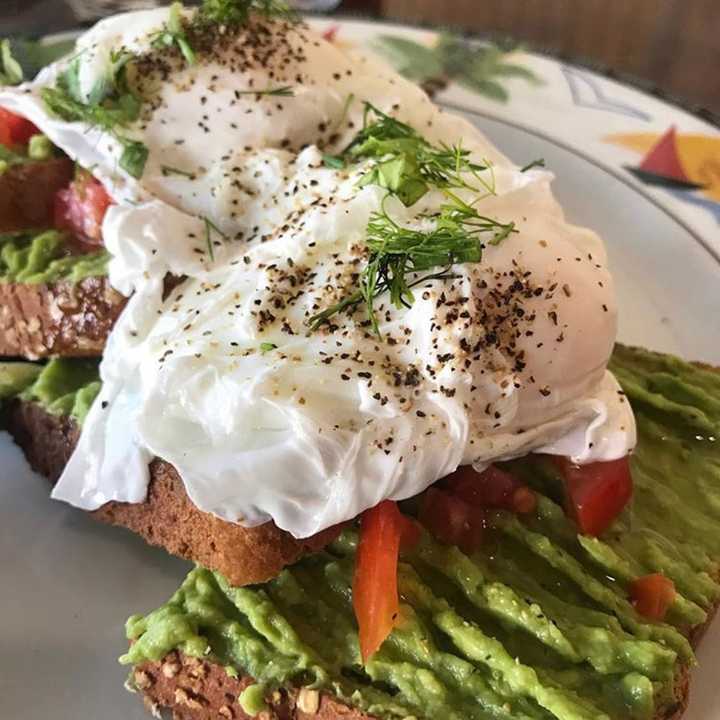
223 376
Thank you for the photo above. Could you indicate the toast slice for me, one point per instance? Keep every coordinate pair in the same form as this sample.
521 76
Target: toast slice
58 319
55 299
27 193
167 518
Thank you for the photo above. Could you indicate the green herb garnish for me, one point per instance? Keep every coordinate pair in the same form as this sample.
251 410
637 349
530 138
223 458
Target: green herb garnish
398 253
11 73
209 227
173 34
333 161
539 163
168 170
267 347
284 91
111 105
407 164
237 12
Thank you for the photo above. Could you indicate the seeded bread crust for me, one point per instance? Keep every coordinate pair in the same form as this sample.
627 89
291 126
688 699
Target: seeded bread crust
167 518
200 690
27 193
61 319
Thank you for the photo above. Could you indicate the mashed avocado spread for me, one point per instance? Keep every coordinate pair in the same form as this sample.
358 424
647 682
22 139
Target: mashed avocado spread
62 387
27 257
537 625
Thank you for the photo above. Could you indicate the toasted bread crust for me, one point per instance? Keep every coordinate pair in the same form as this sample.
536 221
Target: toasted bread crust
61 319
27 193
200 690
167 518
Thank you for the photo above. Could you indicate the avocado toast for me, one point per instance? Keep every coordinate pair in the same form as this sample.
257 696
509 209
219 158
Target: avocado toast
536 624
539 622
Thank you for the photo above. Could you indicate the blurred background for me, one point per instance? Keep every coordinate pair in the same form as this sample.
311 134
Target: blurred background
672 46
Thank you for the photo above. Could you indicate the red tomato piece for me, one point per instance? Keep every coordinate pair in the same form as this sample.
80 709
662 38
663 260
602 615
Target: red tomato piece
375 591
452 520
596 493
409 534
523 501
15 130
652 595
81 207
492 488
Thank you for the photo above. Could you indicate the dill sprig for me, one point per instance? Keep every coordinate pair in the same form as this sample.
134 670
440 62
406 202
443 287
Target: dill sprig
539 163
400 257
407 165
210 226
237 12
173 34
111 105
169 170
283 91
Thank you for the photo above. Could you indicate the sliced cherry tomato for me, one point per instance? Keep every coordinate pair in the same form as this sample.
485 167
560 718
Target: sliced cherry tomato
652 595
15 130
452 521
492 488
375 591
596 493
81 207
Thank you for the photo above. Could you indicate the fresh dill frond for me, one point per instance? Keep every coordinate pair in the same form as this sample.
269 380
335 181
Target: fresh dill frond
400 255
11 72
237 12
284 91
173 34
539 163
210 226
333 161
408 165
168 170
110 106
267 347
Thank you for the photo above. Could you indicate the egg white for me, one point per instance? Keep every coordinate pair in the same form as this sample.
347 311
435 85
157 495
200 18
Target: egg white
264 418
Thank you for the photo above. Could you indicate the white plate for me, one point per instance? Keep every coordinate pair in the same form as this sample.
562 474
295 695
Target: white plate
68 583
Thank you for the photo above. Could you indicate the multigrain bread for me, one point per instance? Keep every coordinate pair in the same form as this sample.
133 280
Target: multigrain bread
200 690
60 319
27 193
167 518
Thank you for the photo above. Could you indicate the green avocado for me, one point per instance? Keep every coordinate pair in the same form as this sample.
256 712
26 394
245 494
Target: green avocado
16 376
32 258
537 626
62 386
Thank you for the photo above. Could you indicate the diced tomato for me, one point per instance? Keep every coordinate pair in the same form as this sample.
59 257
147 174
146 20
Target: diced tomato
652 595
492 488
409 534
81 207
15 130
523 501
375 590
596 493
452 520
